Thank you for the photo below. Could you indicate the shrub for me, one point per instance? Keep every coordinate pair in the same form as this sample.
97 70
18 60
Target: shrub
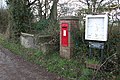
3 20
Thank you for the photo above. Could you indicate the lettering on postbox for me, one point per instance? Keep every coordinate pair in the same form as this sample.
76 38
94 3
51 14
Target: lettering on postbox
64 35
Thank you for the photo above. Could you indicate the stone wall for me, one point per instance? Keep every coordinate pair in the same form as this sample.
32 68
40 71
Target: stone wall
27 40
43 42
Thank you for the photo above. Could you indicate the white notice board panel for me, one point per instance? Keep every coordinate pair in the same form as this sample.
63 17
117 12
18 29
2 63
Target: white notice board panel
96 27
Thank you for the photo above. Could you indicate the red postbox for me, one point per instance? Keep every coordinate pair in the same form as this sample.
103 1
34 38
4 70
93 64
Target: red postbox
64 35
68 26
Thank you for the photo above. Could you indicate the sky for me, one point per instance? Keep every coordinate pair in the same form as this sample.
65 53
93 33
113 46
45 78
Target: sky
72 3
2 4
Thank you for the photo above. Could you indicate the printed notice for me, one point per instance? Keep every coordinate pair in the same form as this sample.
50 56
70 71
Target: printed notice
96 27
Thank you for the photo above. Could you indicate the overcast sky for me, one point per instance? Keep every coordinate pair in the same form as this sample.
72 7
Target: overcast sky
3 4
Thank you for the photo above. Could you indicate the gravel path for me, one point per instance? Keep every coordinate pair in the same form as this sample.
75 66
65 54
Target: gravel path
13 67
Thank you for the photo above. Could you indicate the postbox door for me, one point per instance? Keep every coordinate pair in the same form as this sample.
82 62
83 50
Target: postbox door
64 34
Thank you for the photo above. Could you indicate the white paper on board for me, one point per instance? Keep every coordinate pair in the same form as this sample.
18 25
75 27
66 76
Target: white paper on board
96 27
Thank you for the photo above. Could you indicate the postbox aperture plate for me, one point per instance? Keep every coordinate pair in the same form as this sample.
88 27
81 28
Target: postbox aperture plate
64 34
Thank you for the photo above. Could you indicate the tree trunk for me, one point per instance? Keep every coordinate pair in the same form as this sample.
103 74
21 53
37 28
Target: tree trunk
53 14
40 9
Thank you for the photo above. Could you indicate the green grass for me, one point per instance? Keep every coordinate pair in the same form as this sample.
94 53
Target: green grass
71 69
86 74
52 62
92 61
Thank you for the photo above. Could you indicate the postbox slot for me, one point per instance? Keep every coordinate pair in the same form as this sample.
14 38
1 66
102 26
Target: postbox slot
64 27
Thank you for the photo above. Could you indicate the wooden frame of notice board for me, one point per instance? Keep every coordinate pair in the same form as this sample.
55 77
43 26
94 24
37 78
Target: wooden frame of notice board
96 27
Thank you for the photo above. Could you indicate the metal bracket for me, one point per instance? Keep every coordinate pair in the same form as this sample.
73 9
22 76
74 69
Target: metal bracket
97 45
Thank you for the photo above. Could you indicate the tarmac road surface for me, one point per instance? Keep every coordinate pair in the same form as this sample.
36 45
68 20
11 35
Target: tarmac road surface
13 67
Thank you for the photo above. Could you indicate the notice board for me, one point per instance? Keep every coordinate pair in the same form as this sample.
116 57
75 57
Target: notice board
96 27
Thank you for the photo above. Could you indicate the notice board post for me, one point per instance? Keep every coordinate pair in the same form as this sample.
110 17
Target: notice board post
68 25
96 30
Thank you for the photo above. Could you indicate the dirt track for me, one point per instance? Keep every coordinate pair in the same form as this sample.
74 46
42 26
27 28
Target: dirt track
13 67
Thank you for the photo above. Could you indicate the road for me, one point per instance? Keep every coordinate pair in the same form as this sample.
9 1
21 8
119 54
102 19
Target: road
14 67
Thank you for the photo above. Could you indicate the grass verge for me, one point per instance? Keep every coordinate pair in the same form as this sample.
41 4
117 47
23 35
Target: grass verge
71 69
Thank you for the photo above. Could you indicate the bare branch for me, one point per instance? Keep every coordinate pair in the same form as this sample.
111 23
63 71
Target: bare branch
82 2
88 4
100 3
30 3
103 64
